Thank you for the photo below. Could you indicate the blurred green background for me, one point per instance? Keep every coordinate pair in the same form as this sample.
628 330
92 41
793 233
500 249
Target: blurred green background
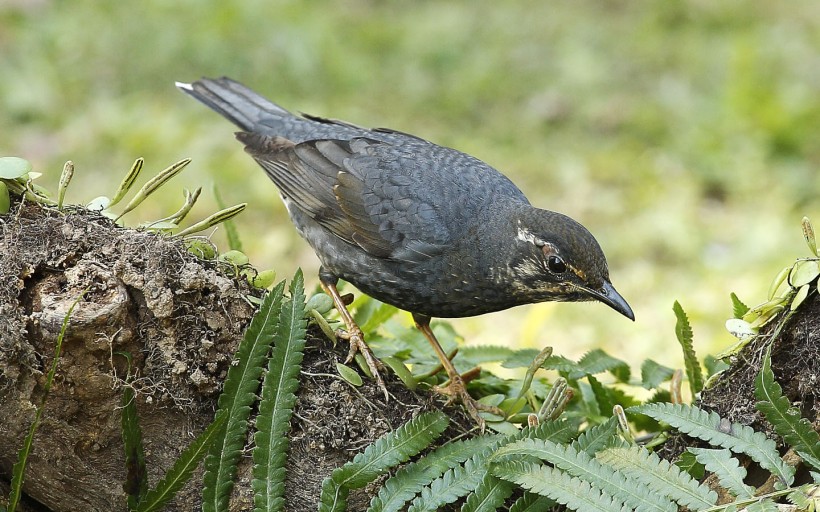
684 135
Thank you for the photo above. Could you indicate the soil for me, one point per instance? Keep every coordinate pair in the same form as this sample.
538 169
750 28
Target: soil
179 320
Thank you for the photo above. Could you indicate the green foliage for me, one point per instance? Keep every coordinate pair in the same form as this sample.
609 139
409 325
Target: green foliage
710 427
798 432
277 401
659 476
727 468
232 234
684 333
235 402
411 479
389 450
18 471
136 474
156 499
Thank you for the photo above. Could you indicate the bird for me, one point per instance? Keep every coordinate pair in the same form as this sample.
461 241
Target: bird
426 228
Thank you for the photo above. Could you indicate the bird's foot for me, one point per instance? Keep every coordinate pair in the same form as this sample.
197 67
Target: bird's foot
355 337
455 390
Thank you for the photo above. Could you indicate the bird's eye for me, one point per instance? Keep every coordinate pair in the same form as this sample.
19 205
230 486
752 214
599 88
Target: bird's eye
556 265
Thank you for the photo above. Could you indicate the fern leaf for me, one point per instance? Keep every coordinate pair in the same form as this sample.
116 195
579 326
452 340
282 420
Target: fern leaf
490 494
235 402
479 354
738 307
762 506
389 450
454 484
727 468
575 493
136 476
684 333
531 502
278 398
182 469
558 431
710 427
411 479
795 430
654 373
595 439
580 464
597 361
658 476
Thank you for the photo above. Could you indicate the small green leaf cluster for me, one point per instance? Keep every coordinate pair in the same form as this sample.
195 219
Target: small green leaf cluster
789 289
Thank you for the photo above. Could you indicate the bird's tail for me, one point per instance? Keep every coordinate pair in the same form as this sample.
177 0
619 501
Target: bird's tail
234 101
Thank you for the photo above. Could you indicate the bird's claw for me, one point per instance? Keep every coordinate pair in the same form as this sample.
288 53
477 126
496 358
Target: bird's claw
355 337
457 391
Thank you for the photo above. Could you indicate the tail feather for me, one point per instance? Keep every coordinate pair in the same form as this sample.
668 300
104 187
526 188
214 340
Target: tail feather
234 101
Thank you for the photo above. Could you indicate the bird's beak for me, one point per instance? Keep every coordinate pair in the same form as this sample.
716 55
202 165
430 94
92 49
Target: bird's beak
609 296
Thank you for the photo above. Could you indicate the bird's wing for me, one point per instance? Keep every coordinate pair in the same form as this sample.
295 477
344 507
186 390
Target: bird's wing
364 191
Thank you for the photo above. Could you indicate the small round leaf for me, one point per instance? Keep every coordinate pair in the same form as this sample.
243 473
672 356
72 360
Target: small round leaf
349 374
12 167
804 272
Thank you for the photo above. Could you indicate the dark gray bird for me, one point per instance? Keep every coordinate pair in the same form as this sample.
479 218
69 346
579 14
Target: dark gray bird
426 228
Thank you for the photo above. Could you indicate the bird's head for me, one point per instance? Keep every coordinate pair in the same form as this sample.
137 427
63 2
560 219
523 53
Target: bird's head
557 259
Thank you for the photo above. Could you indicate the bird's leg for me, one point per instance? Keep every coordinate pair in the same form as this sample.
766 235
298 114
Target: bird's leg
455 389
352 333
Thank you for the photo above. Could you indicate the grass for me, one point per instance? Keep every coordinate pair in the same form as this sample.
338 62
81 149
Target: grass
683 134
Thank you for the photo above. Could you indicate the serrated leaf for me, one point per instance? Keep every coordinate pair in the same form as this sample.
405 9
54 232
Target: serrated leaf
490 494
575 493
654 373
727 468
798 432
136 475
278 399
582 465
683 331
531 502
596 438
389 450
182 469
710 427
451 486
239 392
410 479
738 307
659 476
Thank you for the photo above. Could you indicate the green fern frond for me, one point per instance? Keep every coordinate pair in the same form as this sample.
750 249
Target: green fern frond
411 479
182 469
454 484
239 392
762 506
654 373
490 494
278 398
597 361
727 468
575 493
596 438
738 307
479 354
462 480
795 430
658 476
136 476
389 450
531 502
580 464
710 427
18 470
684 333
